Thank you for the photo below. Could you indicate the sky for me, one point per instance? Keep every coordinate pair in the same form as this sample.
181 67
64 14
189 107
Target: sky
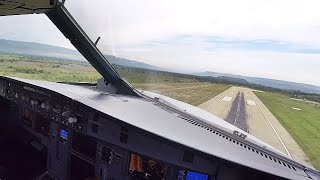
277 39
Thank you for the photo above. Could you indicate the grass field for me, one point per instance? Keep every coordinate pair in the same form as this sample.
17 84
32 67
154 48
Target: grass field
194 93
44 69
178 87
304 125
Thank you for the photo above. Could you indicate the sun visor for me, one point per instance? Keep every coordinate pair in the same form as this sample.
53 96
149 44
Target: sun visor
17 7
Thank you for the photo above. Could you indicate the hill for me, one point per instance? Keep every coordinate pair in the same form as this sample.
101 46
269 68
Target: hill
10 47
279 84
43 50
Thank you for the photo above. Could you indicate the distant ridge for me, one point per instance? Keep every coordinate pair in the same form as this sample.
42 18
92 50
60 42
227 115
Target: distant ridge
279 84
37 49
43 50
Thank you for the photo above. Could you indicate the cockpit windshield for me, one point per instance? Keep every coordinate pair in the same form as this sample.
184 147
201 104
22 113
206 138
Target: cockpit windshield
254 64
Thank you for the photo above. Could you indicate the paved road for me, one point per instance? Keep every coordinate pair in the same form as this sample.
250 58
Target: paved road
259 121
237 114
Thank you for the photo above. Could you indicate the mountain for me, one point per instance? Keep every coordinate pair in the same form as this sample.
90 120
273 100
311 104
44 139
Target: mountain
37 49
130 63
44 50
279 84
234 80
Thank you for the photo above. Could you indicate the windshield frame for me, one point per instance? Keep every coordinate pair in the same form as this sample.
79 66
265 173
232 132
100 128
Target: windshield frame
69 27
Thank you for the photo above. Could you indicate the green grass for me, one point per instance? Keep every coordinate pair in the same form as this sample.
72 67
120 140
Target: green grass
304 125
183 88
194 93
64 71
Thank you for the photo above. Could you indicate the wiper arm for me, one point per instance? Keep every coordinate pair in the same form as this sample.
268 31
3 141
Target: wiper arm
80 40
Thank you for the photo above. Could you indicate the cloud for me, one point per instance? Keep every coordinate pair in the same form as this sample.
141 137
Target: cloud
275 39
136 21
32 28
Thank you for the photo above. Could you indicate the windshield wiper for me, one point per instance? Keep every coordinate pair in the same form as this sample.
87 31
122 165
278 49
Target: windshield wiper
80 40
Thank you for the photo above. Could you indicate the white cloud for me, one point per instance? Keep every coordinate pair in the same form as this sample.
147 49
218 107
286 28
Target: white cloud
296 67
32 28
140 29
141 20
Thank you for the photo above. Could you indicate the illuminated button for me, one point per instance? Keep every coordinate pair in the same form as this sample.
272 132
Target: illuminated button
72 119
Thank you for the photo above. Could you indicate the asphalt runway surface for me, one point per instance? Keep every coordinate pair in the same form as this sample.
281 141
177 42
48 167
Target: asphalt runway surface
242 108
237 114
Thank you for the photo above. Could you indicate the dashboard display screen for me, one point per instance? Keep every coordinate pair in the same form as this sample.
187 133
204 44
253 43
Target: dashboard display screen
191 175
144 168
196 176
63 134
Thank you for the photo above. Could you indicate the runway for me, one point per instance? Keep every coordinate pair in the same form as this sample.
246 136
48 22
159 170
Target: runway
237 113
242 108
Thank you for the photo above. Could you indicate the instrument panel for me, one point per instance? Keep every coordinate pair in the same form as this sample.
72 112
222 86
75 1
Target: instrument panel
83 142
90 138
52 106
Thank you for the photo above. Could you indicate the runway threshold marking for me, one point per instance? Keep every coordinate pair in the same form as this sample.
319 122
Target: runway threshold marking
275 131
213 103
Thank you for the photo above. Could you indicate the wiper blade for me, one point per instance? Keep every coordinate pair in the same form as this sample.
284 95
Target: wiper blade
80 40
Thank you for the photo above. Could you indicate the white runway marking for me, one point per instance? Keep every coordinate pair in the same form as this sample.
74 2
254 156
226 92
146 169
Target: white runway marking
227 98
212 103
251 103
302 100
284 146
298 109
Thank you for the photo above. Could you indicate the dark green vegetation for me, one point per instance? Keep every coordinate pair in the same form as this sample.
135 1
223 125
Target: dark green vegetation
43 50
264 82
304 125
186 88
307 96
47 69
194 93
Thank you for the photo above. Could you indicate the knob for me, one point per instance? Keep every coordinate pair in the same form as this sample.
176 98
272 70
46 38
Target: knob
17 95
66 113
56 110
43 105
34 102
72 120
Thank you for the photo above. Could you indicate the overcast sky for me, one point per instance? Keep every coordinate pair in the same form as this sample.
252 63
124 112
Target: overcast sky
277 39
